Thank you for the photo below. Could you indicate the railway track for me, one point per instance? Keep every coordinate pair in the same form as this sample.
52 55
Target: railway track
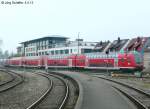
21 96
61 92
57 96
3 82
140 98
16 80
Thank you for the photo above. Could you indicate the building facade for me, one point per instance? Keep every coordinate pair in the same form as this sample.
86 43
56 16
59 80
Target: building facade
55 45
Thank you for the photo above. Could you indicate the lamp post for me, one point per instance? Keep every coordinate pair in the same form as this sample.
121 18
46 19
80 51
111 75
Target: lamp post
107 53
46 59
76 56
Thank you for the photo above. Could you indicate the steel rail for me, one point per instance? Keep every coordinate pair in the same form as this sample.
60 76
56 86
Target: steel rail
33 105
66 88
16 84
128 86
37 102
8 81
132 98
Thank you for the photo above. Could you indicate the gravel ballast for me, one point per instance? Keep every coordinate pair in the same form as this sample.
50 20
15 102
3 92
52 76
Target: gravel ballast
24 94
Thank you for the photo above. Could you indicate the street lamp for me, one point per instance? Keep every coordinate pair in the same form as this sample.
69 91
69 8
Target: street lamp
107 53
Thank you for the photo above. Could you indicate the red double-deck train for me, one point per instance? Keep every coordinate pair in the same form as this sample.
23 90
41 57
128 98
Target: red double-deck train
113 61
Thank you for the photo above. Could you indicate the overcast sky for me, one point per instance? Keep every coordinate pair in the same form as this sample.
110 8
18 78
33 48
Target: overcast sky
95 20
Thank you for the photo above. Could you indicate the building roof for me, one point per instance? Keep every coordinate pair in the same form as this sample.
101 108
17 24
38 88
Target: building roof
46 37
117 44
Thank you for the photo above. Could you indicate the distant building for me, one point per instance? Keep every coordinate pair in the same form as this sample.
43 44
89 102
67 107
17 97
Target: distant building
102 46
147 58
19 50
118 45
54 45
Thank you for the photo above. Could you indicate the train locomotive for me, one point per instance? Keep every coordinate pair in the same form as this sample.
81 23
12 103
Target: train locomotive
113 61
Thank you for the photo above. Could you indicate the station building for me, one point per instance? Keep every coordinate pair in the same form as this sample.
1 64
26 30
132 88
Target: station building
54 45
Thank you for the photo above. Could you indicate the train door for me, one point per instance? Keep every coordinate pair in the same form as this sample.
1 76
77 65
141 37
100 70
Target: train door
70 62
39 63
115 62
86 62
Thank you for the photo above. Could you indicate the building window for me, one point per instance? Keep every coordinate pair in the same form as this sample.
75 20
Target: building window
46 53
56 52
66 51
75 50
44 43
47 42
61 51
52 52
70 50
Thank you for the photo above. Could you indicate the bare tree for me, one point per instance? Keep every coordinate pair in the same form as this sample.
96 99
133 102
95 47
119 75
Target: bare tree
6 54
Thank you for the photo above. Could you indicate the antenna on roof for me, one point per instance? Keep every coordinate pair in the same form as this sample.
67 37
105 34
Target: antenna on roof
118 39
138 39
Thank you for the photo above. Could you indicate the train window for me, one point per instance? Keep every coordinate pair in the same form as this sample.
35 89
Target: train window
128 60
122 60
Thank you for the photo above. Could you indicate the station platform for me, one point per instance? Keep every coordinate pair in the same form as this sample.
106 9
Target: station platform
95 93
